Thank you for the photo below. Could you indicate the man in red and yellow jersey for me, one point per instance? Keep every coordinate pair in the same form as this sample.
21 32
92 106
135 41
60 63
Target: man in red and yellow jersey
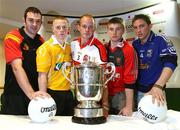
50 57
21 75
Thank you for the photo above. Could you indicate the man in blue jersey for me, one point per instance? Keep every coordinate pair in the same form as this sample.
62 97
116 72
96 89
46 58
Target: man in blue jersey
157 59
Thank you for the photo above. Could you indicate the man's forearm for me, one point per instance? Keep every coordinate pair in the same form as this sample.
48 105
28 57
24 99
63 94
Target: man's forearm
129 97
22 78
105 97
42 81
164 77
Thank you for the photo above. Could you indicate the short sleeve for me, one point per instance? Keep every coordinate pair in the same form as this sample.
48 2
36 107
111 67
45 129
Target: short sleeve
12 48
43 59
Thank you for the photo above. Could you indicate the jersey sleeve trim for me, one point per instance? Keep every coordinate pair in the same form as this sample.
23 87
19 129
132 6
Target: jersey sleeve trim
13 37
170 65
130 86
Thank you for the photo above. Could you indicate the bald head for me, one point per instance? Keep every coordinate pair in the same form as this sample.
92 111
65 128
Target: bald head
85 17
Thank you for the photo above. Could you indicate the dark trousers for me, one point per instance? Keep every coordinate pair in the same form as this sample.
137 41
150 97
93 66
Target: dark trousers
64 101
14 104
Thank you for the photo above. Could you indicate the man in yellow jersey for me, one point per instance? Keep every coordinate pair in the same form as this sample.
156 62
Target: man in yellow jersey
50 57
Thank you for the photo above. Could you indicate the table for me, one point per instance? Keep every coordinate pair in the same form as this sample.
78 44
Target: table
114 122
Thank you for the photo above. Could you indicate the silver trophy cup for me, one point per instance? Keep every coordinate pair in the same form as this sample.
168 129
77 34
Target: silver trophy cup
89 80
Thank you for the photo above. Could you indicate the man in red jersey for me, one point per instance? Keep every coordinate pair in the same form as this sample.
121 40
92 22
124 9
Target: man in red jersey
123 55
88 48
21 75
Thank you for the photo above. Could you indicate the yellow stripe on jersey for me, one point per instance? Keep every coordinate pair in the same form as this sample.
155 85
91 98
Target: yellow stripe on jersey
13 37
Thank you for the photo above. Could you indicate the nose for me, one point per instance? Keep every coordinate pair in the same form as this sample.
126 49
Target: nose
87 29
35 23
138 29
114 31
61 28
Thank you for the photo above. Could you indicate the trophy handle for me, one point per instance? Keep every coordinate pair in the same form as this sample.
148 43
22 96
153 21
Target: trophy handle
64 70
112 71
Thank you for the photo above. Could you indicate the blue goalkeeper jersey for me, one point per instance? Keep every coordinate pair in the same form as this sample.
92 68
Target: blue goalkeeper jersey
156 53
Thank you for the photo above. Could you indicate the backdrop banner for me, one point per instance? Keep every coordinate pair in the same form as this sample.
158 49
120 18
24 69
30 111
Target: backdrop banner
164 17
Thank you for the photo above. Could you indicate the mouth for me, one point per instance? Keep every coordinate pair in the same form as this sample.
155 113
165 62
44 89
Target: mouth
114 36
140 35
86 34
35 29
62 35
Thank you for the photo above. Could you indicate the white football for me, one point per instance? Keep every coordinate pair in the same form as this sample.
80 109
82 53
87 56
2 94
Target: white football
42 109
151 112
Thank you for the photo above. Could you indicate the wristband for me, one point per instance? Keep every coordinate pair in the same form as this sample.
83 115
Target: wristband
158 86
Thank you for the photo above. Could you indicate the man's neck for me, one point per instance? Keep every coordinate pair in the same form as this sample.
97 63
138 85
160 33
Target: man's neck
115 43
29 34
61 41
83 41
143 41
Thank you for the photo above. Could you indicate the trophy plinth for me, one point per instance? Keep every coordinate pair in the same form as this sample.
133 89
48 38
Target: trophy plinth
88 120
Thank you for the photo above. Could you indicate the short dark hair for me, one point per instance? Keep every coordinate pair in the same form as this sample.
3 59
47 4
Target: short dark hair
144 17
33 10
116 20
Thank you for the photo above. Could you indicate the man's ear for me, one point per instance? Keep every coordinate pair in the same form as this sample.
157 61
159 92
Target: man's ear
94 27
150 26
52 27
69 29
24 21
78 27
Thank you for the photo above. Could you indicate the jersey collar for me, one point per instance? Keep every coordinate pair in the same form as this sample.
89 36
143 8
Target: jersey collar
89 42
55 42
120 44
23 33
150 38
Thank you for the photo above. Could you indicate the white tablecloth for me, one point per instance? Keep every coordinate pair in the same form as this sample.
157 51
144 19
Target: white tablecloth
114 122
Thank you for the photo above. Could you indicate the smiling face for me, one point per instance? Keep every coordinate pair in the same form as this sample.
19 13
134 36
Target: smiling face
142 29
60 29
32 23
